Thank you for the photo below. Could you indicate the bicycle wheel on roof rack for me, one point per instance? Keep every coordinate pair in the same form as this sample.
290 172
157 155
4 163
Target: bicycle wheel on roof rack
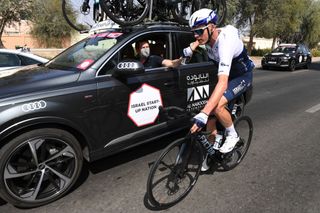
126 12
79 16
220 6
184 9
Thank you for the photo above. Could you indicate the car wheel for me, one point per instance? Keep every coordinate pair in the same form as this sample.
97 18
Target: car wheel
39 167
265 67
292 65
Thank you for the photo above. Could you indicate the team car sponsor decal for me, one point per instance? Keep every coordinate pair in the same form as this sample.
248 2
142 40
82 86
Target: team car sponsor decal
197 78
85 64
197 97
37 105
143 108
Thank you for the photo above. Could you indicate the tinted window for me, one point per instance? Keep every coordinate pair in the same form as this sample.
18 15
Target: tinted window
285 49
9 60
28 61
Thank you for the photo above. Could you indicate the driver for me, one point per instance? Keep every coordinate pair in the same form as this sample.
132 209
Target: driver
226 49
153 61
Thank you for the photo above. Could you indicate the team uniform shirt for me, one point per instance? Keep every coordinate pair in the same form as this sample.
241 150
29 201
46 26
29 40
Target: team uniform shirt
227 47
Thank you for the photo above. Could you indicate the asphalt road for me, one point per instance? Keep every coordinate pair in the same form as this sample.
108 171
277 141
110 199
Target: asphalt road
279 174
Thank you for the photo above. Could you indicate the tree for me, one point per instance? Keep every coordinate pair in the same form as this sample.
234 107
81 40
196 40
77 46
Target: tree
310 27
49 26
13 11
250 15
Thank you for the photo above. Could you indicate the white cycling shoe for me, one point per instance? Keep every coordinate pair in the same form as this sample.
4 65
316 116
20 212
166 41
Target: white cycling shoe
229 143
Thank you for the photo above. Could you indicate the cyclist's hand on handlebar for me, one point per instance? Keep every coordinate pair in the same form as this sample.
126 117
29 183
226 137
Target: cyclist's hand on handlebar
200 120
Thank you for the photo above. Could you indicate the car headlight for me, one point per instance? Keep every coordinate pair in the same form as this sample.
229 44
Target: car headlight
285 58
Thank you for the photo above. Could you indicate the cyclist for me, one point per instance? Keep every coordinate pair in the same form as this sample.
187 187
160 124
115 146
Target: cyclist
153 61
227 50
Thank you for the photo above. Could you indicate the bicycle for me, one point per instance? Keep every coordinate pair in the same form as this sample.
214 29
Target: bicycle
132 12
178 167
82 15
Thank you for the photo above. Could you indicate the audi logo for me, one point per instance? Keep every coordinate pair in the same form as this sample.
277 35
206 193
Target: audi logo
127 65
34 106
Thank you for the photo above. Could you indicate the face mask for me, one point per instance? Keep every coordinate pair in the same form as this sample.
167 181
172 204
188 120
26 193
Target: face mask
145 52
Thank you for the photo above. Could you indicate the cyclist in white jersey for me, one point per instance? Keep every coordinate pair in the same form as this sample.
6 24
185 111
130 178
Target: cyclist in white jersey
226 49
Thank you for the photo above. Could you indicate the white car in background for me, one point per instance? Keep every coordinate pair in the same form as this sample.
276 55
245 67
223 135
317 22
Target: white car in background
10 59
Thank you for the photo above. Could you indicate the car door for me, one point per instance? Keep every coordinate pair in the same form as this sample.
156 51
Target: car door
300 56
197 78
129 104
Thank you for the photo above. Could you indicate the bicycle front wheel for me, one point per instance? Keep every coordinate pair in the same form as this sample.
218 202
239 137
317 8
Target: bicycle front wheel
175 172
79 17
126 13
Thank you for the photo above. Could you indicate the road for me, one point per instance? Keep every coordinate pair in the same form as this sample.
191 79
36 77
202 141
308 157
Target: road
279 174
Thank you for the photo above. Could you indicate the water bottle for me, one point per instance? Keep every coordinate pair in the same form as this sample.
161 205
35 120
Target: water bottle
206 144
218 141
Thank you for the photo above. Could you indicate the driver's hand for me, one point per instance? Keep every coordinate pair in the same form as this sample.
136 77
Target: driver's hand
200 120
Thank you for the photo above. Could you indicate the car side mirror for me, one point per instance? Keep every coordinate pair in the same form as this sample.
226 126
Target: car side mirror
129 67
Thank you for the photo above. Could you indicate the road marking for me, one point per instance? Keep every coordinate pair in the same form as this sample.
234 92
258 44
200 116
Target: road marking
314 109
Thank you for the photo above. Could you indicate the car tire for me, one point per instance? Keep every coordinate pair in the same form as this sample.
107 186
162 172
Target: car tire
264 67
39 166
292 65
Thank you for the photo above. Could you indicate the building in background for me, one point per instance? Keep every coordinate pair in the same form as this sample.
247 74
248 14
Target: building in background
18 34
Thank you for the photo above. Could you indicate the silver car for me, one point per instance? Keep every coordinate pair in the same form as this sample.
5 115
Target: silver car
10 59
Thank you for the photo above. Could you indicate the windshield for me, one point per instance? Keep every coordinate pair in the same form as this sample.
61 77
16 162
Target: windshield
83 54
284 49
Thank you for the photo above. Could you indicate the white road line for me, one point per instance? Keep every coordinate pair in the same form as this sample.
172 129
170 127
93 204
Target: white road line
314 109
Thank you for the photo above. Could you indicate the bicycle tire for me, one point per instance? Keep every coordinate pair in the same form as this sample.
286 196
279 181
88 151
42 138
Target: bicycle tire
173 182
79 22
244 127
220 6
123 15
179 11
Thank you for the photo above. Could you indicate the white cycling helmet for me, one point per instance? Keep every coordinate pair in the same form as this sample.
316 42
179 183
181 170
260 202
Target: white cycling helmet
203 16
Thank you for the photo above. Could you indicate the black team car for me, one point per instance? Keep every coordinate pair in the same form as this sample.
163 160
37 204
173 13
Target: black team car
91 101
289 56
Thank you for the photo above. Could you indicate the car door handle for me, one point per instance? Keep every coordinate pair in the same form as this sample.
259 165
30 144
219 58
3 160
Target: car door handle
170 83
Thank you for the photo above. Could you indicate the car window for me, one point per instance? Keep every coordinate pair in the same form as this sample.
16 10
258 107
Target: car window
285 49
305 49
159 45
184 40
83 54
28 61
9 60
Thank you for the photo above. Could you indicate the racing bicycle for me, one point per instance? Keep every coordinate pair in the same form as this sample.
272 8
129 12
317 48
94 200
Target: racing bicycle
132 12
81 15
178 167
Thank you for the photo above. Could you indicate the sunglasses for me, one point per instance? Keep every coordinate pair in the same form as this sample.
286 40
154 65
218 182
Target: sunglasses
199 31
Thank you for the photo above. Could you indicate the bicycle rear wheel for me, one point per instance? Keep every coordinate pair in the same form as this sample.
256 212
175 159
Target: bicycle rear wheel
244 128
126 12
219 6
175 172
78 18
183 10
